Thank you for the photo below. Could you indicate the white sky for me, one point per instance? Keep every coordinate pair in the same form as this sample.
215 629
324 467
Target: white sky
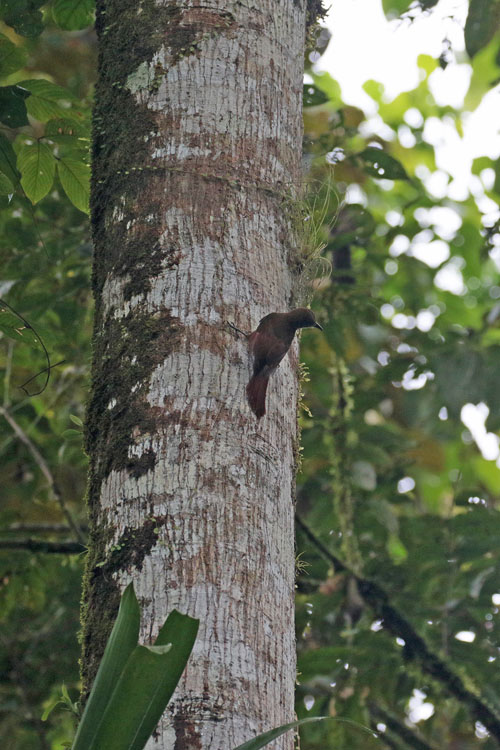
365 45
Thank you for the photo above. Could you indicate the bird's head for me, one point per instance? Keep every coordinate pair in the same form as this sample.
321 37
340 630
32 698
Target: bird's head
302 317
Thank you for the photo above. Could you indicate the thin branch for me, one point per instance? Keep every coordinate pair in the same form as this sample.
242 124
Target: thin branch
39 528
40 372
8 371
238 330
416 647
47 369
41 545
44 468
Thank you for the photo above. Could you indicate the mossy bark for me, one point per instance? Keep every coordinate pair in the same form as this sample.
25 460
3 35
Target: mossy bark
197 144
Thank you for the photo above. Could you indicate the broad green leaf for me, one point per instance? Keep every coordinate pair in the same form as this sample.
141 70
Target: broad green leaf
47 711
73 14
312 95
8 160
264 739
13 327
484 73
72 136
145 686
62 126
6 186
324 82
427 63
394 8
13 106
483 21
23 16
71 434
121 644
45 99
12 57
75 179
37 166
375 89
379 164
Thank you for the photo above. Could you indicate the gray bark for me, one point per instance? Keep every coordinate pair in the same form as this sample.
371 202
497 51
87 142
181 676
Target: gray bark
197 151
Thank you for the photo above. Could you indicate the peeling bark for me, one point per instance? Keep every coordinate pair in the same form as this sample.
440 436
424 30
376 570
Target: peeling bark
197 142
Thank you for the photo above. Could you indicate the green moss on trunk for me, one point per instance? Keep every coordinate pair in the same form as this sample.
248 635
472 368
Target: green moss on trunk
126 349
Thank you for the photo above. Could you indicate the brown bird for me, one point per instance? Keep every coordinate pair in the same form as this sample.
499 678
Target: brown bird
269 343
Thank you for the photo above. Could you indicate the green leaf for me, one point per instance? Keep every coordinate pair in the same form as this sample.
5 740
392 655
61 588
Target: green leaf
120 645
394 8
145 686
264 739
51 707
379 164
12 57
73 14
483 21
75 179
6 186
312 95
72 136
375 89
23 16
76 420
71 434
44 102
484 73
62 126
37 166
427 63
8 160
329 86
396 548
14 328
13 106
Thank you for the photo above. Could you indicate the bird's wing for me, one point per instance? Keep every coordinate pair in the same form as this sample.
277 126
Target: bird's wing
268 351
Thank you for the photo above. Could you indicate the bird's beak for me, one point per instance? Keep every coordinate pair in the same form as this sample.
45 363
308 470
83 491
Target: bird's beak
317 325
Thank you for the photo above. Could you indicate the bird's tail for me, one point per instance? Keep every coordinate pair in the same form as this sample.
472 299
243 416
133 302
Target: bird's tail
256 394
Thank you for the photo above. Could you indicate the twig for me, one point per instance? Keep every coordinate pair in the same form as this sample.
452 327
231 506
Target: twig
41 545
416 647
44 468
238 330
39 528
8 370
40 372
47 369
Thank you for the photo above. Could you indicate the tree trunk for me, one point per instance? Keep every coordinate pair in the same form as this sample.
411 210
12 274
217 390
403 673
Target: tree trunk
197 145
